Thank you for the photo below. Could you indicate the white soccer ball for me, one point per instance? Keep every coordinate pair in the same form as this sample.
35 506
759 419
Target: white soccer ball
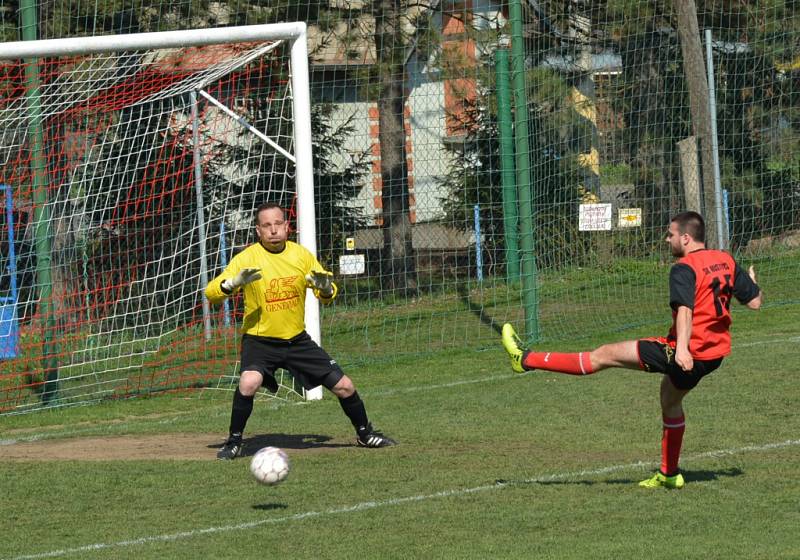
270 465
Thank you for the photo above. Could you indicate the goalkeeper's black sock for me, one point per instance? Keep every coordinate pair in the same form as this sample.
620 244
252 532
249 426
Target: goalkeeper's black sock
240 412
353 407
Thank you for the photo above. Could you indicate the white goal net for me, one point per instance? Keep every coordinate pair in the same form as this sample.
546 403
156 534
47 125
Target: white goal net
132 165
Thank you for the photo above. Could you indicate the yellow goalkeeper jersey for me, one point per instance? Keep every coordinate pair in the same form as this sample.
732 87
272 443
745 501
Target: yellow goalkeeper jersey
274 305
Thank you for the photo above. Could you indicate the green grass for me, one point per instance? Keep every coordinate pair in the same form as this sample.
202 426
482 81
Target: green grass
464 421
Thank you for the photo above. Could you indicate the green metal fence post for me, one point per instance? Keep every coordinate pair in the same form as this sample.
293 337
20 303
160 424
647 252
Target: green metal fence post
530 295
41 216
510 202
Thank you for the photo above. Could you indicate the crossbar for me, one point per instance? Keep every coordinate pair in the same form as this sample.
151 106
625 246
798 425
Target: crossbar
149 41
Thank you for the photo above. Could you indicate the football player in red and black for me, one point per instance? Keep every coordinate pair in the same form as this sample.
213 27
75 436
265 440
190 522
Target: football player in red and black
701 285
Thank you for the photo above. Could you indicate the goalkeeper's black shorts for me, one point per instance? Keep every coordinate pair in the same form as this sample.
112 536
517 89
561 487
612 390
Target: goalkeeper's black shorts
658 354
303 358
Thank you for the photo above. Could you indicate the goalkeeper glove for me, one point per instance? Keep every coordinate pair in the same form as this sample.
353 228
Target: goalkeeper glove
322 282
243 277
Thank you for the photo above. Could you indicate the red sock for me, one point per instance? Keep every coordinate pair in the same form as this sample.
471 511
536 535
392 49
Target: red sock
671 440
574 364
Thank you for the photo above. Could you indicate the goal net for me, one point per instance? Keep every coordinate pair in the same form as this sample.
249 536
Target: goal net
132 165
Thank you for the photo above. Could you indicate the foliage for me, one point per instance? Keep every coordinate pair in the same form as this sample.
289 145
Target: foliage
763 202
476 176
338 176
126 243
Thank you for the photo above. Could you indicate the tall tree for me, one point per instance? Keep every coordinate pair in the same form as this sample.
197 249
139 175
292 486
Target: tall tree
398 261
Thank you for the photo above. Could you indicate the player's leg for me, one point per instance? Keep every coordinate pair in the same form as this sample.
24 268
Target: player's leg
672 398
658 355
673 428
619 354
675 385
312 366
241 408
674 425
250 382
257 359
354 409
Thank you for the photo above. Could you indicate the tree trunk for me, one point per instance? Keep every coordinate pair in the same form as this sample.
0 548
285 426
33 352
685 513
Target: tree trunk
585 99
696 78
398 270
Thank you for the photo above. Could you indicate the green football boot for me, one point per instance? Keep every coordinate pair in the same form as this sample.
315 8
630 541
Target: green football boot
511 344
660 480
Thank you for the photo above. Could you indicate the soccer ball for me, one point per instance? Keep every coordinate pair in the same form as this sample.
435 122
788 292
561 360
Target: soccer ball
270 465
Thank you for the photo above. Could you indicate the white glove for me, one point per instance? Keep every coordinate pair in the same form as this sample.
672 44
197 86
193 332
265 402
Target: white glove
243 277
322 281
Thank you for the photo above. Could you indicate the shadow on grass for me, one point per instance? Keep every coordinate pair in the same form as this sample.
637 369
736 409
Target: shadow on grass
689 476
269 507
478 310
284 441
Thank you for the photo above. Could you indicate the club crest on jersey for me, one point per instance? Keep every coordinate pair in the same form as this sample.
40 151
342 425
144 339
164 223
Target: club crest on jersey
282 293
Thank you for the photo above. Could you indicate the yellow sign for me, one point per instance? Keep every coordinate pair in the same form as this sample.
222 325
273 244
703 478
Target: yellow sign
629 217
350 243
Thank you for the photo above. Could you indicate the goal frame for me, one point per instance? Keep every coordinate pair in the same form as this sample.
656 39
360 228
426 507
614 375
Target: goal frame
296 34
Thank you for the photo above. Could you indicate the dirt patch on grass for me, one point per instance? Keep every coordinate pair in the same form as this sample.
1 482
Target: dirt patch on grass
198 447
15 432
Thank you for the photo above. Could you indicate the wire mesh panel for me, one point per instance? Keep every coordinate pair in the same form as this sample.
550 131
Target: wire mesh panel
106 154
475 162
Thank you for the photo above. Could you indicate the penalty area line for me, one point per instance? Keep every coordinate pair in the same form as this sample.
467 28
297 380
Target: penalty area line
418 388
765 342
363 506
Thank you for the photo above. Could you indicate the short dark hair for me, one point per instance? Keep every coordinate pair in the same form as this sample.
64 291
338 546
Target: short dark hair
691 223
266 206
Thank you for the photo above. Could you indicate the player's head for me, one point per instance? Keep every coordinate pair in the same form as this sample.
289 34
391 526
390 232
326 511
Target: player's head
271 226
686 230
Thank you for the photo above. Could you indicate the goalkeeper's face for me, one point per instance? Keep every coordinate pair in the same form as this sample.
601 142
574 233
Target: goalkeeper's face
272 229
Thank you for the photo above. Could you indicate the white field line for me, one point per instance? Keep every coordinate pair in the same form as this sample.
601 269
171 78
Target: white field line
761 342
458 492
418 388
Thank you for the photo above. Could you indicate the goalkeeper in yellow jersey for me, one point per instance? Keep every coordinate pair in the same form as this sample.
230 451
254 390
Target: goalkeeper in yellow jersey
274 274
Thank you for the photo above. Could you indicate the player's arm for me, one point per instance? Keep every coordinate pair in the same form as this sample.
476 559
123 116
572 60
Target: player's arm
745 288
683 331
681 298
233 278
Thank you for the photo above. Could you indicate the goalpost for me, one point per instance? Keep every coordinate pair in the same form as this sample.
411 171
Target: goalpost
139 160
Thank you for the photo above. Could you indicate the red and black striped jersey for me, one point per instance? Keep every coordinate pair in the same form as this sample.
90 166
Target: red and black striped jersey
705 281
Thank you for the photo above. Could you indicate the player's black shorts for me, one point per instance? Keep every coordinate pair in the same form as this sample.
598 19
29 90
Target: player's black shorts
658 354
301 356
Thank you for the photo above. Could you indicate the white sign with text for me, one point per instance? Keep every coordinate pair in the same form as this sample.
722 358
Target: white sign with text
594 217
352 264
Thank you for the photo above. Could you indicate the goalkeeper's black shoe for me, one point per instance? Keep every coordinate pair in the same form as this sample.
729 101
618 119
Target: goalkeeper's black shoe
231 449
367 437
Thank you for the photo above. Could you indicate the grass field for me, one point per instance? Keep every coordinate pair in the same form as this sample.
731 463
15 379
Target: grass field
568 451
